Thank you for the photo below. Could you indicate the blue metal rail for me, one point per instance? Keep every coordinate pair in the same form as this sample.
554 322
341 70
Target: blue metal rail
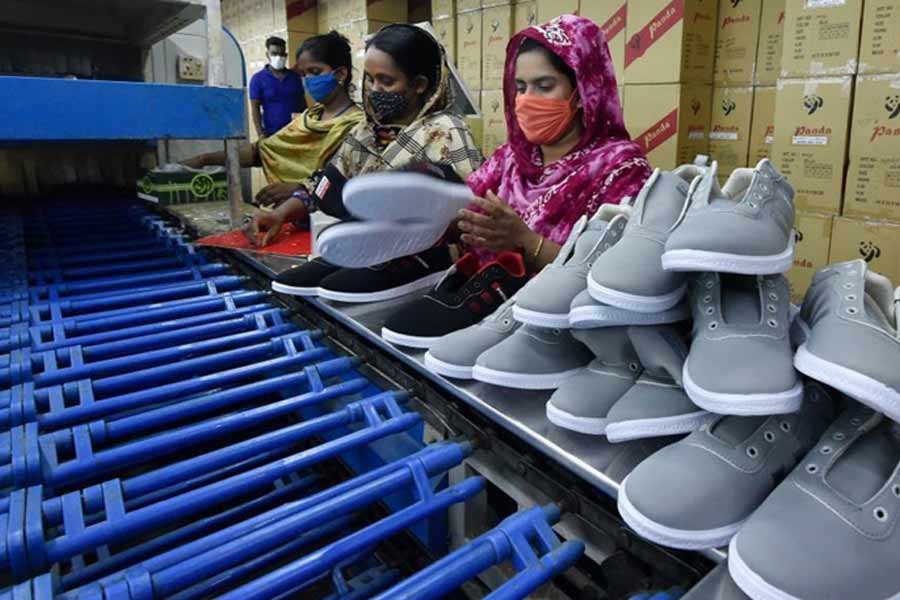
166 432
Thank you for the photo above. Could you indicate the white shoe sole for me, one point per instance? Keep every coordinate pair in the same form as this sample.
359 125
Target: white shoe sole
522 381
361 244
566 420
749 581
394 196
409 341
863 388
294 291
447 369
774 403
389 294
591 317
624 431
722 262
641 304
684 539
541 319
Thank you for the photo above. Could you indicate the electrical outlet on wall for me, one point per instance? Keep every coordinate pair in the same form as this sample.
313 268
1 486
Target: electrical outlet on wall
190 68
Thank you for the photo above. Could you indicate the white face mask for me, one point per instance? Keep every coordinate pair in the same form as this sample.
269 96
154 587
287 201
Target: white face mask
278 62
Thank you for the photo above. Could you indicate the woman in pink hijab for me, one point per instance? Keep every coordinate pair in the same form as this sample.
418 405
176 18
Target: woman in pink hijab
568 149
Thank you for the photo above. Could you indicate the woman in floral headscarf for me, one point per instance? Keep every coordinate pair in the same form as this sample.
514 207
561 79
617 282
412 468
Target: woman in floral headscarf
568 149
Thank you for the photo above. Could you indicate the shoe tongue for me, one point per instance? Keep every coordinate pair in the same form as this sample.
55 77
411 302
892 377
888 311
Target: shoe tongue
733 430
740 299
865 467
587 240
609 344
662 205
660 349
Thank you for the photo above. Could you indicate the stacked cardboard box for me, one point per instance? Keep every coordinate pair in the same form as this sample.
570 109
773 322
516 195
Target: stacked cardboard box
550 9
443 20
497 27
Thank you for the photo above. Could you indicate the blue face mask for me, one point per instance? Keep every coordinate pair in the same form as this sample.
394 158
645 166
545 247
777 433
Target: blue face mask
320 87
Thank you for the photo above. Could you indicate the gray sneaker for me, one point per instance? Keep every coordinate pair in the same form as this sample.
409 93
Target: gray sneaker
656 405
583 401
745 227
851 316
829 531
532 358
696 493
644 286
546 299
740 361
454 355
587 313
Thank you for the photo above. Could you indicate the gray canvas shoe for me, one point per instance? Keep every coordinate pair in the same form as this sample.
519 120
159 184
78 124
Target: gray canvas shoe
532 358
644 286
745 227
587 313
454 355
656 405
696 493
546 299
581 403
740 361
850 307
829 531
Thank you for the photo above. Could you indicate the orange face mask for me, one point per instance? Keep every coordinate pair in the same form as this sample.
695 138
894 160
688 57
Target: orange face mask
545 120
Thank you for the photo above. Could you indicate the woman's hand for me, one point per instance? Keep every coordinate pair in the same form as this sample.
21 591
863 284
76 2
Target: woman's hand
276 193
268 222
498 228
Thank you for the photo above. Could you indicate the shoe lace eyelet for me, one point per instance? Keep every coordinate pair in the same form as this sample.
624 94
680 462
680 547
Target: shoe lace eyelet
506 322
752 452
771 308
850 297
634 367
848 286
710 310
710 284
852 310
772 323
555 331
707 299
752 204
785 426
826 450
714 325
881 515
838 436
773 296
769 436
895 489
856 421
812 468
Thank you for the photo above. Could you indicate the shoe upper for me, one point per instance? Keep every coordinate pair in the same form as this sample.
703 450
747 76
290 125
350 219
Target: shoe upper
389 275
554 288
741 328
849 306
307 275
830 529
656 209
753 214
463 347
466 295
536 351
720 473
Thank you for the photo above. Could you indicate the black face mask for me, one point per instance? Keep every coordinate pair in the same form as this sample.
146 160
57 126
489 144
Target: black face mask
388 105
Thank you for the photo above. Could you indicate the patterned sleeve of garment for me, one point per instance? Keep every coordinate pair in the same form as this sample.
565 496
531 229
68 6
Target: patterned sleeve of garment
451 143
625 179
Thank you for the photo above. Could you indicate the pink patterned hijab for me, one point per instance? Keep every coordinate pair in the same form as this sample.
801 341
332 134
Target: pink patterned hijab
605 165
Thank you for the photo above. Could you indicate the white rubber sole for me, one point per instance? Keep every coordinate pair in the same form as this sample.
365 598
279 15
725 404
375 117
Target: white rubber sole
683 539
863 388
776 403
379 296
397 195
363 244
447 369
541 319
624 431
723 262
409 341
522 381
591 317
294 291
641 304
749 581
586 425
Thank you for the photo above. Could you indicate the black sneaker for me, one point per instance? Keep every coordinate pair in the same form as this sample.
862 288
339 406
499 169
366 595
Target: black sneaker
389 280
304 280
464 297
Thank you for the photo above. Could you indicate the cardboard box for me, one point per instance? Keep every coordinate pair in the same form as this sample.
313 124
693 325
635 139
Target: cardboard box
670 41
611 16
295 39
524 15
468 49
496 28
810 146
418 11
670 121
762 125
391 11
736 41
771 42
550 9
729 128
476 126
873 178
441 9
467 5
812 232
445 30
821 37
494 121
879 50
877 242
